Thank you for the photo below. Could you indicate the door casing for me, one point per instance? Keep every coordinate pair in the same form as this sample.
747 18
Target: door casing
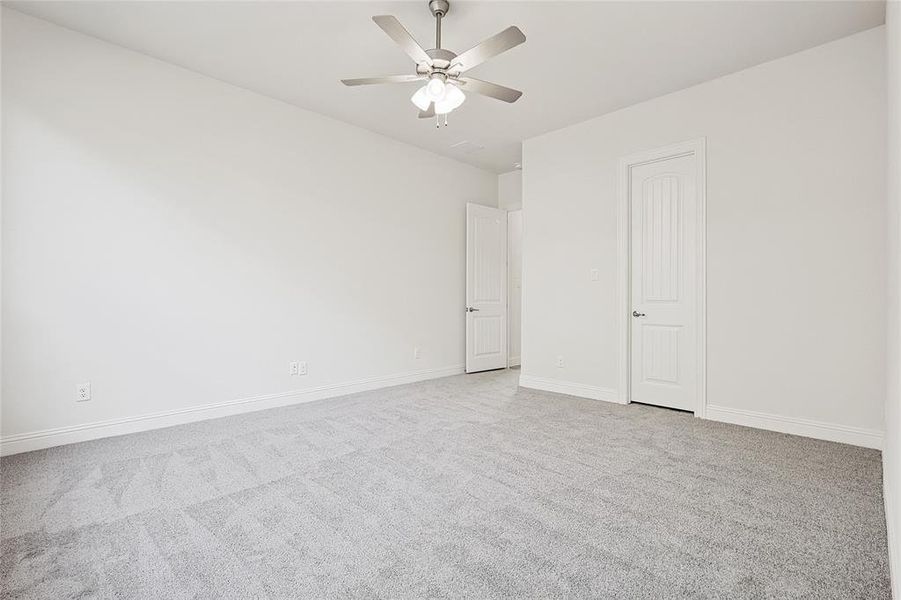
698 149
514 291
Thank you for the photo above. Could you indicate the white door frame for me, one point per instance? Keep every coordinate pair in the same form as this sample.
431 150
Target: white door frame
510 288
697 148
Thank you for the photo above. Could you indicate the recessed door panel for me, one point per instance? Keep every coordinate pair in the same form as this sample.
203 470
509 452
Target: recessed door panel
660 354
661 236
487 331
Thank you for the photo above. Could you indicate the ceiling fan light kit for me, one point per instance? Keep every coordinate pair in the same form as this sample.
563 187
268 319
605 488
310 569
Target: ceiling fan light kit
443 70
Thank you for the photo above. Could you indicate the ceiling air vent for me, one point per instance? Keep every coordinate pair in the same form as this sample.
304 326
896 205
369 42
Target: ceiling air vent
467 147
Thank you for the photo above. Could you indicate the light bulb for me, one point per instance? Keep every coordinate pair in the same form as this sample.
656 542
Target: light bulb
453 97
435 89
421 99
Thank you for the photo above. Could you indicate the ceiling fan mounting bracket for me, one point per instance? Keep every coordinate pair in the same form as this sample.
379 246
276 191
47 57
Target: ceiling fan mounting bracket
439 7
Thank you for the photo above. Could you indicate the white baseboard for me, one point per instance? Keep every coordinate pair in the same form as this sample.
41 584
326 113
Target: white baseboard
36 440
572 389
856 436
513 361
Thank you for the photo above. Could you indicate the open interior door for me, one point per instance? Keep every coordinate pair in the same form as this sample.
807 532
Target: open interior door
486 288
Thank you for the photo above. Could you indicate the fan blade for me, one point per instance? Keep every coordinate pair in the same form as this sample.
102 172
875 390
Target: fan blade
486 88
428 114
396 32
503 41
384 79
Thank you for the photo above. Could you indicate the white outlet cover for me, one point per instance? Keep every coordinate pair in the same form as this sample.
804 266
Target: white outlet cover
83 392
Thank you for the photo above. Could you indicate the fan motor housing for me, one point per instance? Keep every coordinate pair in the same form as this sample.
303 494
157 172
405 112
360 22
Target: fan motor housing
441 60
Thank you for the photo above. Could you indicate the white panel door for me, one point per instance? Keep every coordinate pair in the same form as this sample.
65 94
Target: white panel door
663 274
486 288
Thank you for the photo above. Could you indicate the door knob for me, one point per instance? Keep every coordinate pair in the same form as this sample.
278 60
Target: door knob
471 309
635 313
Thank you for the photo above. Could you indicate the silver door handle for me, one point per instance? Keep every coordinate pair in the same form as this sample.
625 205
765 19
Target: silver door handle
471 309
635 313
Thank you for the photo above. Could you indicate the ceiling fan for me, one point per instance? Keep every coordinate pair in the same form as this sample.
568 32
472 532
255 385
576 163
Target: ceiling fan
443 70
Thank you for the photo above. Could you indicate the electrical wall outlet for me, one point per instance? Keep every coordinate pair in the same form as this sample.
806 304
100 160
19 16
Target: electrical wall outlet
594 275
294 367
302 368
559 362
83 392
416 353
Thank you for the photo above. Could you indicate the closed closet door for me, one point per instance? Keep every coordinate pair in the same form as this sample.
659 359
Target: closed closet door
486 288
664 198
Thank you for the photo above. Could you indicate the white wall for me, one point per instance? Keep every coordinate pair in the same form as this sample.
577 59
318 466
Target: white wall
509 190
796 239
176 241
892 453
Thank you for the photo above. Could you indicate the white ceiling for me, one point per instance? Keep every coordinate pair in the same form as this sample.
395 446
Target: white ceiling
581 59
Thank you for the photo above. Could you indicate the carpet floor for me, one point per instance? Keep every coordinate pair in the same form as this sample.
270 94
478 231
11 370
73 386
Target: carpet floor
463 487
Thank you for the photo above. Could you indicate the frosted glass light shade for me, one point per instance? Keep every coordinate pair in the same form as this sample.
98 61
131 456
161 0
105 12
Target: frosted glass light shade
453 97
421 99
435 89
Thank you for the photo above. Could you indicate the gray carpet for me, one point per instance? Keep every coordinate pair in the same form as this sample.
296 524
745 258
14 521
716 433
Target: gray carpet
463 487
